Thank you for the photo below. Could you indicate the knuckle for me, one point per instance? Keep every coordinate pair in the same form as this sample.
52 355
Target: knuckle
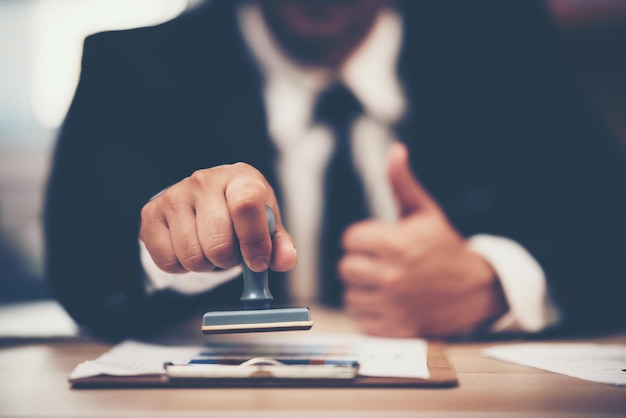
393 280
254 243
200 177
221 251
243 167
348 236
173 268
169 265
174 203
163 257
247 188
173 195
147 213
350 298
344 267
393 243
245 194
192 257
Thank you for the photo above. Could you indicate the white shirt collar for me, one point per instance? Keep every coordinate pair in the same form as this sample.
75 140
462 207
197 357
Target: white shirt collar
370 71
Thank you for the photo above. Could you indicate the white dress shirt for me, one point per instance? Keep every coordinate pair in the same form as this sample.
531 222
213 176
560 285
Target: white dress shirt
304 148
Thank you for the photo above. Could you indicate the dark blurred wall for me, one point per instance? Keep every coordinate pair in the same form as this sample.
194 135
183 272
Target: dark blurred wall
18 282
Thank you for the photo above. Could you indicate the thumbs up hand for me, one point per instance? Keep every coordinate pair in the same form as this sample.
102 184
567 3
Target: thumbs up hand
415 277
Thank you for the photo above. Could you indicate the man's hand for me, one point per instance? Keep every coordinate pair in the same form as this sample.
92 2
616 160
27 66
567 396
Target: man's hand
416 277
208 219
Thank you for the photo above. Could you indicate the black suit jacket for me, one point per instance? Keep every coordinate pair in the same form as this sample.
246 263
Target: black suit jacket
500 138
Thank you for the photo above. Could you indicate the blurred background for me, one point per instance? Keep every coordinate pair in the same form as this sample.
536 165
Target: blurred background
40 50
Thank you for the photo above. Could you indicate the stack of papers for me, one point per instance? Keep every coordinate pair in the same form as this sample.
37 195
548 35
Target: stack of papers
380 357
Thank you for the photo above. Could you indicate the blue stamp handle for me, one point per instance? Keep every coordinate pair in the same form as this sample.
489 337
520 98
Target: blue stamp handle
256 291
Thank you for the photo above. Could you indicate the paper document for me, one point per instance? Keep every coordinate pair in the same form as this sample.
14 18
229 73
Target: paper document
376 356
36 320
132 358
594 362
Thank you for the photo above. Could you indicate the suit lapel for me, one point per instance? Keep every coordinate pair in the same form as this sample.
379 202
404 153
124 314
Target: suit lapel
430 128
221 117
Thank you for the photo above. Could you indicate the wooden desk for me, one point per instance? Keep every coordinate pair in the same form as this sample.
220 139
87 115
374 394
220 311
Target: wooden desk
33 383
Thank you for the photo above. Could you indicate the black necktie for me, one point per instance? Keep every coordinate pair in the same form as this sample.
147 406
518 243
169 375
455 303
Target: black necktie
344 199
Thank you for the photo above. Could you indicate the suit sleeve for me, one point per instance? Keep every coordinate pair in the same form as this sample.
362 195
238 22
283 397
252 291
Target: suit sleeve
99 181
579 231
571 201
542 167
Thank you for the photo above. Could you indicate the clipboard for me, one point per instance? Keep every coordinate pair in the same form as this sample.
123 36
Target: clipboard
268 374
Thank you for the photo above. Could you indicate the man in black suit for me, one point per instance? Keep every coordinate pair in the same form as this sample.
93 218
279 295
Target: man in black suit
510 195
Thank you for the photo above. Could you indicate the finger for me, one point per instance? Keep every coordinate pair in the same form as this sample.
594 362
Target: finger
284 254
156 237
181 222
362 298
246 197
372 237
409 193
361 270
215 230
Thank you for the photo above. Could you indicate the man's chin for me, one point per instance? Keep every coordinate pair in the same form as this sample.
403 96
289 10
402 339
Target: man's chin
316 20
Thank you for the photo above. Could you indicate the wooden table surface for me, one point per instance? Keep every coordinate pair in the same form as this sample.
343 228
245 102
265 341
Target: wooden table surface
33 383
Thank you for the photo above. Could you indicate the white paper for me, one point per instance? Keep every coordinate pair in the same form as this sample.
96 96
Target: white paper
393 357
594 362
376 356
43 319
132 358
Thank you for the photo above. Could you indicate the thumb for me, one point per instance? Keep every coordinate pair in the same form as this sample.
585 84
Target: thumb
409 193
284 254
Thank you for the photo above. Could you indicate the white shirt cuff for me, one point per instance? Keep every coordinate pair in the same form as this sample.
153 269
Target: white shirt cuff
189 283
524 284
